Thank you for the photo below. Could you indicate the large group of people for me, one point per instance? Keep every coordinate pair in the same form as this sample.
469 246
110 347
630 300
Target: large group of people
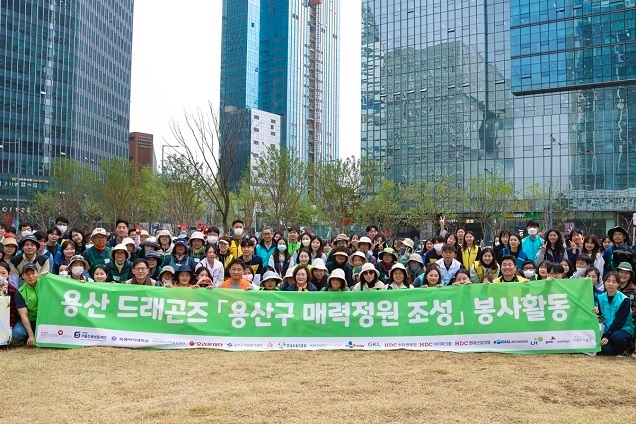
295 260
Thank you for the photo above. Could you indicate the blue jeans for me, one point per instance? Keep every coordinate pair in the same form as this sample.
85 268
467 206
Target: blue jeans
618 343
19 333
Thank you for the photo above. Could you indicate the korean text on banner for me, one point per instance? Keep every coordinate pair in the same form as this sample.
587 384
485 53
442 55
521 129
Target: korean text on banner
536 317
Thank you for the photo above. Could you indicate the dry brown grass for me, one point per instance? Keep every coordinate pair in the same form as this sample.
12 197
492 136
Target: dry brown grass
103 385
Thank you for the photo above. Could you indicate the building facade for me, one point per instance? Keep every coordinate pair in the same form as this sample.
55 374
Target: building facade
65 74
536 92
281 57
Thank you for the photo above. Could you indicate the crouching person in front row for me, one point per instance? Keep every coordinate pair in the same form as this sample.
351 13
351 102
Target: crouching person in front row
619 327
26 302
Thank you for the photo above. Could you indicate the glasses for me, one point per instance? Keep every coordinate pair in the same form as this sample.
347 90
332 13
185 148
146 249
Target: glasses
368 272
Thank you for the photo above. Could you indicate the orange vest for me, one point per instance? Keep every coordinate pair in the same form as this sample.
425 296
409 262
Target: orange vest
227 284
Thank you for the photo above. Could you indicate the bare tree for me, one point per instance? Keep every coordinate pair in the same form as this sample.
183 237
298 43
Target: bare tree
182 197
214 143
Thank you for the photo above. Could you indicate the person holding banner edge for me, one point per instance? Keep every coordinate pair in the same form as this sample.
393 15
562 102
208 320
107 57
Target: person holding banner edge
26 302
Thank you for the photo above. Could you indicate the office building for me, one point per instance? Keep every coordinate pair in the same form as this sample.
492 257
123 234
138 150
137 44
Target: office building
65 74
536 92
281 57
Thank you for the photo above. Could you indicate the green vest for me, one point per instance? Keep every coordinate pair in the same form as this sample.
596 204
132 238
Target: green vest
30 296
95 257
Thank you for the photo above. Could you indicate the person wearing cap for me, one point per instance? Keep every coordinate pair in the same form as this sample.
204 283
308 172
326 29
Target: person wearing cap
119 267
78 269
140 271
318 274
134 252
121 232
10 246
166 277
164 240
293 242
414 267
626 283
336 282
614 306
197 246
369 279
26 303
99 252
251 260
620 251
270 281
288 279
339 260
387 258
236 280
365 245
397 278
29 246
152 258
184 277
179 255
212 264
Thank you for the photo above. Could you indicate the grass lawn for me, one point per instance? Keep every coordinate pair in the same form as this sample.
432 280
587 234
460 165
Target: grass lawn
107 385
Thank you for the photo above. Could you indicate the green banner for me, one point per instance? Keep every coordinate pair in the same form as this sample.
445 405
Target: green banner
537 317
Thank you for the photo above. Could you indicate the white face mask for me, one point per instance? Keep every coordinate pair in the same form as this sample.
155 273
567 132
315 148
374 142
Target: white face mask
63 273
77 270
164 281
532 231
497 243
580 271
282 247
148 249
62 228
306 242
26 233
248 277
238 231
438 247
528 273
213 239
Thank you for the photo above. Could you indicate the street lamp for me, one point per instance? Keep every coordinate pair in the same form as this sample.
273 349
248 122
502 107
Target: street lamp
19 161
163 153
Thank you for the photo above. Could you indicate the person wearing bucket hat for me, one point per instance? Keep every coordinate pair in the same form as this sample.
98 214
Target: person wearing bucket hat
270 281
154 269
99 252
336 282
79 267
357 259
369 279
164 239
288 279
387 258
414 267
166 277
134 251
397 278
150 245
366 246
626 281
620 251
119 267
318 274
406 250
184 276
179 255
29 245
197 246
339 259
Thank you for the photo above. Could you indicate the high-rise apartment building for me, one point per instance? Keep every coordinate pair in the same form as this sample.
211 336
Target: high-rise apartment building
538 92
65 75
281 57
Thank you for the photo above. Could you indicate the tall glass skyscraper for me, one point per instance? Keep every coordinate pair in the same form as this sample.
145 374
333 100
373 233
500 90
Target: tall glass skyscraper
538 91
65 75
281 57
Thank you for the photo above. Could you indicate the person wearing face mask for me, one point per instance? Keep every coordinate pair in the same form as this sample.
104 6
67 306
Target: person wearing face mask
435 254
25 229
62 224
407 249
238 227
583 263
212 234
414 268
150 245
532 243
529 271
78 269
266 246
280 260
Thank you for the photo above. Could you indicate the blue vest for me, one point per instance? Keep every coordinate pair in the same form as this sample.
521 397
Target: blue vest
609 311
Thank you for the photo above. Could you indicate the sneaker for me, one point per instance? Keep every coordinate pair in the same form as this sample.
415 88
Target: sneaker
634 355
622 355
590 353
